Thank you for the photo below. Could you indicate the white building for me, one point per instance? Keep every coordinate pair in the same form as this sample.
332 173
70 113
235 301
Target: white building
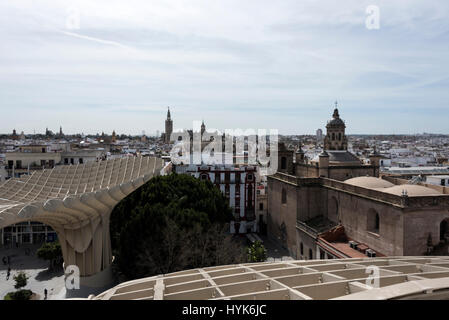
238 184
82 156
439 180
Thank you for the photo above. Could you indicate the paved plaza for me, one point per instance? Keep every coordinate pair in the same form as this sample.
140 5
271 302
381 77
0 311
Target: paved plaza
40 277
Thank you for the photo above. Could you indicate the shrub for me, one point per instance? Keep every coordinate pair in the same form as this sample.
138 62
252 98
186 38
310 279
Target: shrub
21 280
257 252
19 295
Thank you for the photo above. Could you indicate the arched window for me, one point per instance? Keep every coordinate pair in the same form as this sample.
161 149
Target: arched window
377 224
332 209
322 255
284 196
373 221
283 163
443 229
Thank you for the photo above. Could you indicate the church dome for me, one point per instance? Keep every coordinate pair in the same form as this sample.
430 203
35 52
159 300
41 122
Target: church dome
369 182
336 121
412 190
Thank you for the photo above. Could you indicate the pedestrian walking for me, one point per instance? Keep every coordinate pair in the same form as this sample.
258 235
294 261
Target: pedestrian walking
45 293
8 273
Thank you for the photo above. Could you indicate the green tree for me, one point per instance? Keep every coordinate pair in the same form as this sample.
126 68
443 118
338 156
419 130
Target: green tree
50 251
257 252
172 223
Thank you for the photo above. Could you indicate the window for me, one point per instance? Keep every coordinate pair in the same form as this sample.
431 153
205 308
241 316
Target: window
43 150
72 161
250 177
38 228
284 196
373 221
443 182
310 254
250 198
10 164
261 206
283 163
227 177
339 136
322 254
443 229
333 136
301 248
19 164
66 160
80 161
51 163
204 177
237 178
42 163
26 238
332 211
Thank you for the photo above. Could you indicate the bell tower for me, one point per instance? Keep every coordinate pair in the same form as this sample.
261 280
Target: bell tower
168 127
203 128
335 137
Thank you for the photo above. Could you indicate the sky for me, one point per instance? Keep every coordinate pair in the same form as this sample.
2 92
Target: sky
93 66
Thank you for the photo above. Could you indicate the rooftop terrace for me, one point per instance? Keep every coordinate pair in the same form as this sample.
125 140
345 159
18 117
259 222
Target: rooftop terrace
398 278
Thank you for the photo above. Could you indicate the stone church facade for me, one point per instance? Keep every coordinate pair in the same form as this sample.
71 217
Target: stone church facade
334 206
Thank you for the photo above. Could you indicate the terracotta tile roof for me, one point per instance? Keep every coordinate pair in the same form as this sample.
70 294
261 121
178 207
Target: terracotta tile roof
336 241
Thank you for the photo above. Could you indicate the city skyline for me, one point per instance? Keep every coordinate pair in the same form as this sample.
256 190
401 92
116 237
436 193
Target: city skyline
266 65
158 133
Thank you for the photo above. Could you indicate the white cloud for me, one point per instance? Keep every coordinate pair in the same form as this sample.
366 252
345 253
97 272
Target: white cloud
209 58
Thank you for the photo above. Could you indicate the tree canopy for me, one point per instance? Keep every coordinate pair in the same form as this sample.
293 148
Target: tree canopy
50 251
172 223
